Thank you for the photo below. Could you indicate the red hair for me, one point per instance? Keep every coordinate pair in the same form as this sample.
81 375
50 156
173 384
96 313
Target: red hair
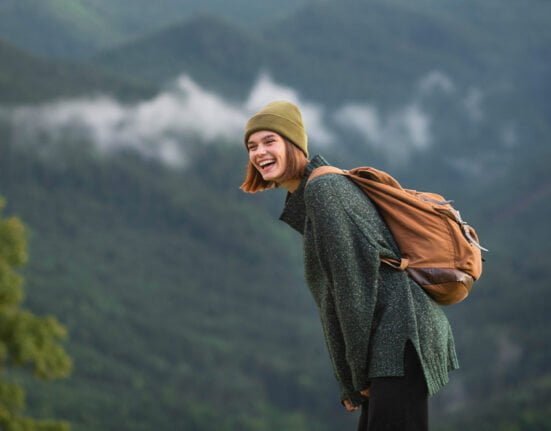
296 163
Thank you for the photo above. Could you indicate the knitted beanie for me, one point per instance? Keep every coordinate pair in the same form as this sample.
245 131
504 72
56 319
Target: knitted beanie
281 117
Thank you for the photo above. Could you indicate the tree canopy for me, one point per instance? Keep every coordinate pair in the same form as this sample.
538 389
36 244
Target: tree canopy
26 340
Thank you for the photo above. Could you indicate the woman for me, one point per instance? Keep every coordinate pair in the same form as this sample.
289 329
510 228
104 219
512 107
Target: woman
391 346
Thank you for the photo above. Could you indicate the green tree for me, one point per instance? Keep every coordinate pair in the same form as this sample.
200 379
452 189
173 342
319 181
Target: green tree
26 340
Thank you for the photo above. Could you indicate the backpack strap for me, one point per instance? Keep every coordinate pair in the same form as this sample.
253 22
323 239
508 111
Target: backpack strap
399 264
324 170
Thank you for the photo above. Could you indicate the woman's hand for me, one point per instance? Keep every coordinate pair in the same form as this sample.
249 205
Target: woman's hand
350 407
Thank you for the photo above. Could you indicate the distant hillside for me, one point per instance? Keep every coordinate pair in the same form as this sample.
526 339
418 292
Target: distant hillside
62 28
216 53
375 48
378 44
25 79
356 50
364 50
77 28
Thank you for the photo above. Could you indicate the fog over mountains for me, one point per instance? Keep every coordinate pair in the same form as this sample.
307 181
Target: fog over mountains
158 127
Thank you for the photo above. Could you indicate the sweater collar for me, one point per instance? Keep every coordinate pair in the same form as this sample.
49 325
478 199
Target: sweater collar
294 212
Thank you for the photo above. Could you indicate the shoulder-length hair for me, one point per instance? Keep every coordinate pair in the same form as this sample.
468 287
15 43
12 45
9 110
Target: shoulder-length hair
296 163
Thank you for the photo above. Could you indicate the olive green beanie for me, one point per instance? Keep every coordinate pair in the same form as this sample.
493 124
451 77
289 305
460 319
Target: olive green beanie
281 117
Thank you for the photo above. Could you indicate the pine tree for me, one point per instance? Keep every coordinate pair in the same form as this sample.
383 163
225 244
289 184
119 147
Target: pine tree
26 340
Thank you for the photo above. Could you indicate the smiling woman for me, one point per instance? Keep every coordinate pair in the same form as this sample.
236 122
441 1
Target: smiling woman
390 344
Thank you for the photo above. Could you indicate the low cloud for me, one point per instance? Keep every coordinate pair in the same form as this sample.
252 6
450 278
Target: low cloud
162 127
396 134
159 127
156 128
402 130
434 81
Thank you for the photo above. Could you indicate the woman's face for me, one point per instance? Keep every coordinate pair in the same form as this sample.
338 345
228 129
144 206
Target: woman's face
267 153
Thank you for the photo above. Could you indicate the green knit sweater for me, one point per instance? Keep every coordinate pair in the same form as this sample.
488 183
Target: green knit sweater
368 311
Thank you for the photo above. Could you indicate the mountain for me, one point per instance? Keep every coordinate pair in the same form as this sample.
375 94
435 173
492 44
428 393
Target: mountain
54 28
77 28
25 78
213 51
375 51
217 52
376 48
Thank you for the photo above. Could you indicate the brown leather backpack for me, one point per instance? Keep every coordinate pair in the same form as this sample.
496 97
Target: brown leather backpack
438 249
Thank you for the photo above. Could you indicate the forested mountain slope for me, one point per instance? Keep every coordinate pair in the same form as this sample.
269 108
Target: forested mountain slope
77 28
213 51
25 78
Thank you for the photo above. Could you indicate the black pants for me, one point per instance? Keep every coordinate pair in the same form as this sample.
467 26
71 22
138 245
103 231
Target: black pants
398 403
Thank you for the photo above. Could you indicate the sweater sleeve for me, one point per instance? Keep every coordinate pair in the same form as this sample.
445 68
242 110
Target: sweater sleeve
346 292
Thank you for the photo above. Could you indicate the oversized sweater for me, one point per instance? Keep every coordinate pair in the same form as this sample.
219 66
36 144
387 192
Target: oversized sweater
368 311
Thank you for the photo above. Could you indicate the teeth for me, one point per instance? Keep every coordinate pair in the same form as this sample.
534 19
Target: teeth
266 162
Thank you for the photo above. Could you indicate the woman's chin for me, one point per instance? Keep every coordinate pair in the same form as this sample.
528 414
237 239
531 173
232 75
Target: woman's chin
273 177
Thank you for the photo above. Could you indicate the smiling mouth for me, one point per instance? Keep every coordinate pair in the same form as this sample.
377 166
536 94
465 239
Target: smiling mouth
266 164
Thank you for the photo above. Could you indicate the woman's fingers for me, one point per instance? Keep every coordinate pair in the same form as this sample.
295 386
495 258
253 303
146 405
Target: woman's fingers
349 406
